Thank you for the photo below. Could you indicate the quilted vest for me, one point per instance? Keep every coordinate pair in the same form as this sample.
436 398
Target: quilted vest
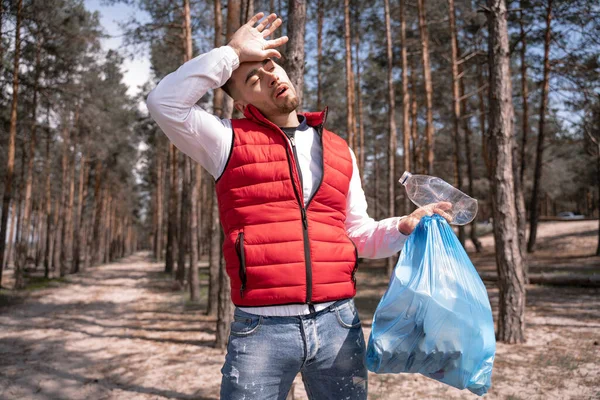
277 249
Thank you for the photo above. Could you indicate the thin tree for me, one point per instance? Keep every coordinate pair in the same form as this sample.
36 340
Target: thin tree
320 17
214 256
294 61
10 163
224 307
391 122
424 32
537 177
511 277
350 119
454 54
359 105
405 99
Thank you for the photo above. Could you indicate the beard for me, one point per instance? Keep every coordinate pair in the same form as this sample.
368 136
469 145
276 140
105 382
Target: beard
290 104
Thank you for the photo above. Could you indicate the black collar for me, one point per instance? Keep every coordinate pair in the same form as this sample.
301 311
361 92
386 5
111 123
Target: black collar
303 126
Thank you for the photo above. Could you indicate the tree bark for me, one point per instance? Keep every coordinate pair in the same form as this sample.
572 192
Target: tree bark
424 32
81 197
10 163
511 282
320 17
456 81
23 245
537 178
361 125
294 61
224 308
405 101
524 94
391 124
194 278
172 211
98 209
350 119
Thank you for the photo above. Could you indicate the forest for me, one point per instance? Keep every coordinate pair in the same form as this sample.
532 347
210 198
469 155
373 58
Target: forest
499 98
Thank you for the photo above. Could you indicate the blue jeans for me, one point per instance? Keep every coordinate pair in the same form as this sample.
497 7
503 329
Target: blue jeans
265 354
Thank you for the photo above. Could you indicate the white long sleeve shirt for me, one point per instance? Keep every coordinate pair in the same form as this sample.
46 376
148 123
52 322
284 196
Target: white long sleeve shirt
207 140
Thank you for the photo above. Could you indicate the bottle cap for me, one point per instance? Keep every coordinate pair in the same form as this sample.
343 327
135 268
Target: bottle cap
404 177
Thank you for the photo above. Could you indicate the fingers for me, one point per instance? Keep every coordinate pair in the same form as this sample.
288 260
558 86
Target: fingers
271 44
255 19
444 214
444 205
272 53
265 22
276 24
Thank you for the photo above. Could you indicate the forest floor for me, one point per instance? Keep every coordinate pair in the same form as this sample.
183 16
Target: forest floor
120 331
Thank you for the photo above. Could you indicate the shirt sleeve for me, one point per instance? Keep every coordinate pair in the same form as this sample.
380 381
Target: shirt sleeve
373 239
204 137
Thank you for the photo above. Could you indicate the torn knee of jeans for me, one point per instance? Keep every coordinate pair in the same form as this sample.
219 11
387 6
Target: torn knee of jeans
359 381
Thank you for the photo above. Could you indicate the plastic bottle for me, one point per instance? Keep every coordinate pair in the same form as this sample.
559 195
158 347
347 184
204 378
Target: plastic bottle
423 190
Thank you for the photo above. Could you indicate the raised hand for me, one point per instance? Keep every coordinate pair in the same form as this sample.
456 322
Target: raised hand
250 43
408 224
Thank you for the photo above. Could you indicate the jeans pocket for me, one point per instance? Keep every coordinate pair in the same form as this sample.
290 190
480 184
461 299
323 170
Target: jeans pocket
347 315
244 325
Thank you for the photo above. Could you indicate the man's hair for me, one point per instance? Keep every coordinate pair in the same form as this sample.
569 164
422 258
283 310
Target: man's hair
228 86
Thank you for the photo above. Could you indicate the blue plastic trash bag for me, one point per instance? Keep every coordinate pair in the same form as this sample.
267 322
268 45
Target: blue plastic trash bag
435 318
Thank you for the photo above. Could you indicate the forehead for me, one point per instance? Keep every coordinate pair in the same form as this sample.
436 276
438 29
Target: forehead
240 74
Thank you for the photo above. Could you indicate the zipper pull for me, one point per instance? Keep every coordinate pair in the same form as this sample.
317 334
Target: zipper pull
304 220
293 141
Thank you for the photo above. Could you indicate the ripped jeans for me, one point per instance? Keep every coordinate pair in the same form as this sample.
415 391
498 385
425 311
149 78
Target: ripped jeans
265 354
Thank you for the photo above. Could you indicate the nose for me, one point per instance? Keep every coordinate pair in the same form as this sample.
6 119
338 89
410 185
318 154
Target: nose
271 77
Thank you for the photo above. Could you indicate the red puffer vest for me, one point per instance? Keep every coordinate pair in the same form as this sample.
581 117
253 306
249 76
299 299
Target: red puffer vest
278 250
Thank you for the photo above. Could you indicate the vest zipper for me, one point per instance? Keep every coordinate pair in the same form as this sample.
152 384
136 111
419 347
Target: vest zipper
304 225
239 247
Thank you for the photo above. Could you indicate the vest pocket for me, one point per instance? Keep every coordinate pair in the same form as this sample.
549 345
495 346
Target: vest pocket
239 248
355 263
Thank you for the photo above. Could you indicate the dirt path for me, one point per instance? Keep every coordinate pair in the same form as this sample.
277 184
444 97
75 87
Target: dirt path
118 331
115 332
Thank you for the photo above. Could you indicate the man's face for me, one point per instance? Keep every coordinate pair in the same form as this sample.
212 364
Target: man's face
266 86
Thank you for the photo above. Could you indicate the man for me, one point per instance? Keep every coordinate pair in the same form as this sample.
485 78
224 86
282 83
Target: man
294 216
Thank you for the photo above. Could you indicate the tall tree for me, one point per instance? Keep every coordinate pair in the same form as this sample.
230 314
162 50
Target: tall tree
10 165
511 277
320 17
391 122
424 32
454 54
537 177
405 99
294 60
214 251
350 118
224 308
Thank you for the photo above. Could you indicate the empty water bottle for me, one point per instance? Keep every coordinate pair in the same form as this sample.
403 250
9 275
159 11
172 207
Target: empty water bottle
423 190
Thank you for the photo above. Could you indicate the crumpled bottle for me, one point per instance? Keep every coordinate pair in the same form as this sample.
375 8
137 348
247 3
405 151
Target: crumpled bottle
423 190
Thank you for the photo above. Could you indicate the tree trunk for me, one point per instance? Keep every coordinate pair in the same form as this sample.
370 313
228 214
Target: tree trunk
598 184
294 61
524 95
194 278
48 202
81 197
361 125
511 282
11 236
414 125
424 32
391 124
172 211
224 308
183 224
10 163
456 81
405 101
320 17
98 198
537 178
350 119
